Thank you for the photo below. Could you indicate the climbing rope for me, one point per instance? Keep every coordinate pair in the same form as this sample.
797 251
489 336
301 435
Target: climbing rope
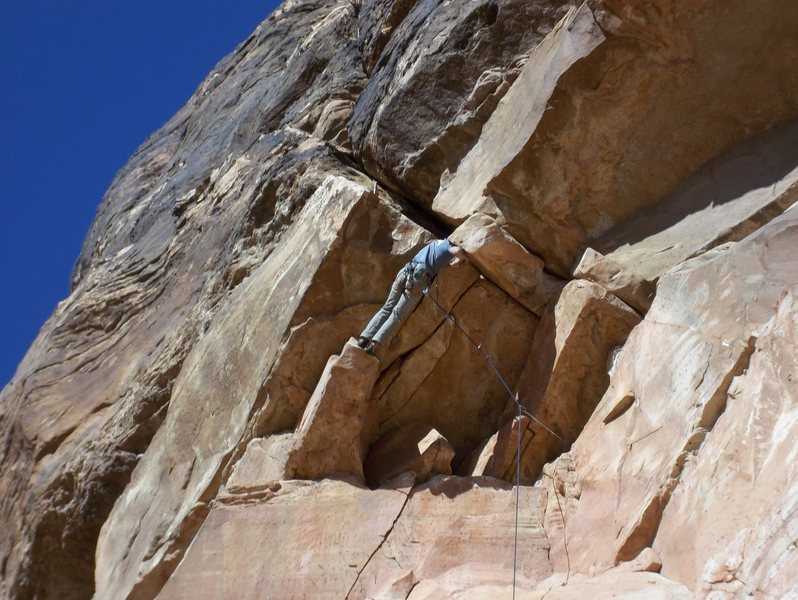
488 359
521 412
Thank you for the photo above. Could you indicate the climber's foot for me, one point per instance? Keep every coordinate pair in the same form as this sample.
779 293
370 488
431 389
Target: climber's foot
362 342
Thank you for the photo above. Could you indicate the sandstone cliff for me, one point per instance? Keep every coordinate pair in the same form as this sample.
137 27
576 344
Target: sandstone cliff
193 421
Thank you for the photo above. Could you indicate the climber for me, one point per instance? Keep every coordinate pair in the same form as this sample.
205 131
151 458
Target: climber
407 290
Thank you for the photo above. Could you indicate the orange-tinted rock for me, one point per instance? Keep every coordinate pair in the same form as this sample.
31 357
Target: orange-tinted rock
563 379
446 381
595 127
496 457
247 241
414 120
506 263
738 496
329 438
461 530
726 200
612 584
263 461
221 382
306 540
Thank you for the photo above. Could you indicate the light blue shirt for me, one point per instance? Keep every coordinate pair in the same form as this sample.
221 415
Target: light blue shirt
434 256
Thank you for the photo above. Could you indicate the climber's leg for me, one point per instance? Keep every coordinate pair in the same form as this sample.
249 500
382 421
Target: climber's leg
408 300
384 313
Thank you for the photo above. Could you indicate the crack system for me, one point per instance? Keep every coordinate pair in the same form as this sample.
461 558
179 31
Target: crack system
380 545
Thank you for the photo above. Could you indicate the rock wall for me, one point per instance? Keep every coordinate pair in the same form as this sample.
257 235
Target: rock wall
195 421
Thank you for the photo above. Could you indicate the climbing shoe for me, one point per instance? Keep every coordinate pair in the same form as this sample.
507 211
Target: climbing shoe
371 349
363 342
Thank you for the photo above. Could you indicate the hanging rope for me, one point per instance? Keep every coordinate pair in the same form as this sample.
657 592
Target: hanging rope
488 359
521 412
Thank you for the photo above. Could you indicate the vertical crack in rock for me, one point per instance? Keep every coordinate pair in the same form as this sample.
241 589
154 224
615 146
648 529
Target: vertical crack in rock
432 99
380 545
641 534
444 333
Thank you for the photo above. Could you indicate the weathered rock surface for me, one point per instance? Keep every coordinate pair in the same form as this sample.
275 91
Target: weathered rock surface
263 462
468 408
160 410
706 337
516 118
631 586
414 447
562 381
618 105
413 120
458 528
321 534
228 380
339 404
740 540
506 262
726 200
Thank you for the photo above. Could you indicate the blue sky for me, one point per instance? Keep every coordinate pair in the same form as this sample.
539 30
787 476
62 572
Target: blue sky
83 83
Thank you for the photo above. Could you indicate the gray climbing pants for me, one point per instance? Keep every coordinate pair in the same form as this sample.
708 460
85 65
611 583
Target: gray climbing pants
405 295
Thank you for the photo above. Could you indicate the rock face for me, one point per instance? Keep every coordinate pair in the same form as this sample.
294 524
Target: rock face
194 419
339 404
707 340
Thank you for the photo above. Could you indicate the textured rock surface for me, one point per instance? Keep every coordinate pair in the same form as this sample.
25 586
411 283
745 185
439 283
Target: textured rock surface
629 586
712 316
468 408
413 120
415 447
456 528
724 500
506 262
339 404
629 98
644 148
562 382
726 200
322 534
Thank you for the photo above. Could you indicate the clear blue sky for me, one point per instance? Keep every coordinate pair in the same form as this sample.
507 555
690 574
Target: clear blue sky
83 83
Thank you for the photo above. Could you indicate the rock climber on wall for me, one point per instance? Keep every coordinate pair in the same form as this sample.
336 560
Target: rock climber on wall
407 290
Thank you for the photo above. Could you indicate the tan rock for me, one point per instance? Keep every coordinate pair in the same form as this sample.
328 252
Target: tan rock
611 585
304 356
726 200
498 453
221 382
447 289
684 366
461 529
563 379
264 461
413 447
647 560
446 381
516 118
247 240
329 438
307 540
506 263
737 497
559 479
576 147
411 50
